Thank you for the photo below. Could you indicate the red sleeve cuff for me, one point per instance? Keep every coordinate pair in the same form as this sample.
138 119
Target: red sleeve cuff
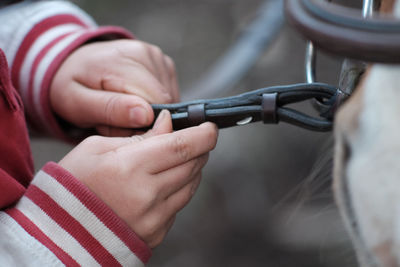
80 229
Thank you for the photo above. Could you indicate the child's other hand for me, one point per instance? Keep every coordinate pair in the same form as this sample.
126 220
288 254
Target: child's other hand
108 85
145 179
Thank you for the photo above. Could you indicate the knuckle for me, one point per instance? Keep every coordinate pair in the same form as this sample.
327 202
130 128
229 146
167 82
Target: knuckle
124 47
136 138
148 197
117 52
93 140
169 61
189 194
147 48
198 164
186 196
181 148
195 185
203 160
212 135
111 80
192 169
143 48
110 165
156 50
111 105
170 65
130 48
157 230
196 171
142 201
107 78
156 241
167 97
151 231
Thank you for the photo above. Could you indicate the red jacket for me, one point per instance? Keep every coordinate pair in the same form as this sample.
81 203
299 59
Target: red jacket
51 218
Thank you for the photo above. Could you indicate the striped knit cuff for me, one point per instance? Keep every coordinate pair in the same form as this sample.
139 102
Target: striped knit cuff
42 49
67 218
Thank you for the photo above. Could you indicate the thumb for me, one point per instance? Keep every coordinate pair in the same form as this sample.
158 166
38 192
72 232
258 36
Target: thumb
100 144
97 107
162 125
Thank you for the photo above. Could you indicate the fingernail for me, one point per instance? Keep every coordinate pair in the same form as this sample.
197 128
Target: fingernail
160 118
138 116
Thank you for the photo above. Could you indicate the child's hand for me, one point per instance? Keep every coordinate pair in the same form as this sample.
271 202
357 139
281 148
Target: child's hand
109 84
145 179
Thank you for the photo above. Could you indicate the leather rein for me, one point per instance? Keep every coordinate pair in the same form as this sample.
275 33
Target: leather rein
345 31
266 104
336 29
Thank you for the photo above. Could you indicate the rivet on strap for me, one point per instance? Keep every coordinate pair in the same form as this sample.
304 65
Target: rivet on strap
268 113
196 114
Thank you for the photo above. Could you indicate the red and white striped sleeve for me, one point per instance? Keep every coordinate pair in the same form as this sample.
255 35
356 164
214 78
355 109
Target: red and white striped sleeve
61 221
36 39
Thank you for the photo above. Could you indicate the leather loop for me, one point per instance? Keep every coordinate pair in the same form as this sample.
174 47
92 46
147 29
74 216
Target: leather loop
268 106
196 114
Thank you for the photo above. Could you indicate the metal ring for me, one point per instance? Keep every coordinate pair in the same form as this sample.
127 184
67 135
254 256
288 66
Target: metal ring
310 62
311 54
368 8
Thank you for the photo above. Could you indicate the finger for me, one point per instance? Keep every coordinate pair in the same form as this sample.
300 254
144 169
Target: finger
138 51
162 125
152 58
181 198
177 148
99 144
160 68
111 131
170 65
174 179
133 78
89 107
106 144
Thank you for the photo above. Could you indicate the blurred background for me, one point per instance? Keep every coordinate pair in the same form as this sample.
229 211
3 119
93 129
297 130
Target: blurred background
265 197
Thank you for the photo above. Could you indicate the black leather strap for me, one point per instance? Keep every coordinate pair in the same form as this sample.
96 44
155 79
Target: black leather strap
266 104
343 31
